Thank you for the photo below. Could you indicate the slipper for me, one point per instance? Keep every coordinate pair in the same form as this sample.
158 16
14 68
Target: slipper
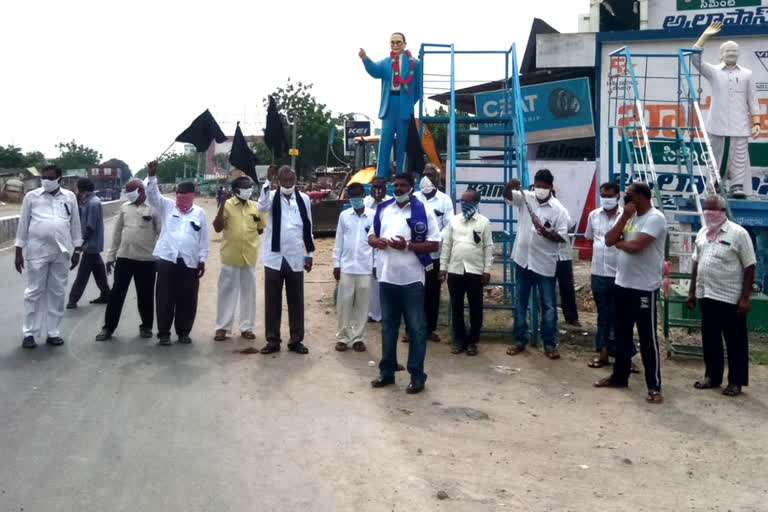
358 346
513 350
457 350
608 383
221 335
341 346
704 384
732 390
597 363
654 397
552 353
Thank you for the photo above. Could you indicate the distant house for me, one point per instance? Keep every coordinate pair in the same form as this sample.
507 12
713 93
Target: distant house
15 182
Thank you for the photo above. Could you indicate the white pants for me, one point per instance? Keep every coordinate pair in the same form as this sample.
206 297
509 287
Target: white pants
352 304
374 311
739 172
234 283
45 294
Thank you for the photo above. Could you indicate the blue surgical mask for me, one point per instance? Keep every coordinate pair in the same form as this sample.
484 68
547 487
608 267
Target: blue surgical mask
357 203
468 208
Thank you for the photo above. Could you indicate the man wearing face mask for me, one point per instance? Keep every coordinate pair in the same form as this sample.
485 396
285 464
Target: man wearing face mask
600 221
467 256
442 207
352 268
405 233
49 236
181 251
734 114
542 225
378 196
130 255
92 224
288 236
241 224
723 274
639 235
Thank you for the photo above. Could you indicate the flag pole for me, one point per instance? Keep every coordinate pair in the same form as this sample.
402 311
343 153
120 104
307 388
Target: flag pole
166 150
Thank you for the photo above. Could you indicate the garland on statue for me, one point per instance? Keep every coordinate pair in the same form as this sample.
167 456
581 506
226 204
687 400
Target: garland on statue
397 77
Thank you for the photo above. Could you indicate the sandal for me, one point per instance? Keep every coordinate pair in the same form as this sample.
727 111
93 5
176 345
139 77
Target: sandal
654 397
221 335
248 335
598 363
472 349
515 349
358 346
607 382
732 390
704 384
552 353
341 346
456 349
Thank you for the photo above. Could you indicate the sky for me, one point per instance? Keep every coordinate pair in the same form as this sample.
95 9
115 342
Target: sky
126 77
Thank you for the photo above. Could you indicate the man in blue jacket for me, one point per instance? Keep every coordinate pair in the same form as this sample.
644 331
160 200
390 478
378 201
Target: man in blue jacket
400 76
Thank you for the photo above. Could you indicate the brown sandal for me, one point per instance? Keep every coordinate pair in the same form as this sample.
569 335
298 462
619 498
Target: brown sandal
358 346
221 335
732 390
704 384
513 350
341 346
598 363
654 397
552 353
608 383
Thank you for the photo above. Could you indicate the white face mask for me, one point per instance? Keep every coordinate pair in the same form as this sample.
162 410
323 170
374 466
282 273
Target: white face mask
133 195
541 193
609 203
404 198
50 185
245 193
426 185
287 191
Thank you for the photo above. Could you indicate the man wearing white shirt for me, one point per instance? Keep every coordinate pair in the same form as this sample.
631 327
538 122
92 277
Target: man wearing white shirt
378 196
467 255
600 221
405 233
49 236
734 114
352 268
288 235
542 225
181 251
442 207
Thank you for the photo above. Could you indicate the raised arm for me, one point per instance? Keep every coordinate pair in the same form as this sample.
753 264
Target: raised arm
154 197
705 68
266 197
375 69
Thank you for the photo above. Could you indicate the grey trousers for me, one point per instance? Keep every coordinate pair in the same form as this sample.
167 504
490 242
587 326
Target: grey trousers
273 302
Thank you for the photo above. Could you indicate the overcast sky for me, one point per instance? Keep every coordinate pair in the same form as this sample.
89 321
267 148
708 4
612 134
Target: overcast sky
126 77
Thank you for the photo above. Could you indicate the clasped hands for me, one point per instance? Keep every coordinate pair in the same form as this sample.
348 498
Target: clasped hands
398 242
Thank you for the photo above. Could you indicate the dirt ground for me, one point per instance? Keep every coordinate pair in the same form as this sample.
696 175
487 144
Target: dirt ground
495 432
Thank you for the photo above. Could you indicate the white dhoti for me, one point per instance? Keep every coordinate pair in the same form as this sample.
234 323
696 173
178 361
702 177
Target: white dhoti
739 173
352 305
45 294
374 310
237 283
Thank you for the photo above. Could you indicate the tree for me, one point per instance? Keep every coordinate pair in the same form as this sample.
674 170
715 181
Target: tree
125 170
11 157
296 102
440 132
172 166
35 159
76 156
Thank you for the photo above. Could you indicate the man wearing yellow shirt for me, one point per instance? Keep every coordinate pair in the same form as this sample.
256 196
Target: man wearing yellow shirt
241 225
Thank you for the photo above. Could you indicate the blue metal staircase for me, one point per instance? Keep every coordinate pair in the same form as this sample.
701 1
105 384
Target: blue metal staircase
486 168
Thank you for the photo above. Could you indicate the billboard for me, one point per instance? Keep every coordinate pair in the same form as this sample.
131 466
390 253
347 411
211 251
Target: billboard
553 110
701 13
354 129
661 110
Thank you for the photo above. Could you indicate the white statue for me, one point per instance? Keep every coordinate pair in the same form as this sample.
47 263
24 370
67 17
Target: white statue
733 115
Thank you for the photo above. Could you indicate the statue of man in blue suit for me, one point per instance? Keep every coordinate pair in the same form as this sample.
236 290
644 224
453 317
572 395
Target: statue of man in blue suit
400 76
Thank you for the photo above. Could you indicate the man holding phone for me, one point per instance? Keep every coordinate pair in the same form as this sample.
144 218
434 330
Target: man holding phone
241 225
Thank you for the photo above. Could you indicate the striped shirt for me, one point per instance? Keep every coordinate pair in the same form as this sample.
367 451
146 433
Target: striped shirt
721 263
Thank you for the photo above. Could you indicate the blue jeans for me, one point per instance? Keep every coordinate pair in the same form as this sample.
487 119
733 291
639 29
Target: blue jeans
391 124
525 280
397 301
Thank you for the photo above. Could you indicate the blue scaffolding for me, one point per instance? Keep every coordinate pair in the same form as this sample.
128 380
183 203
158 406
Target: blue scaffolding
504 162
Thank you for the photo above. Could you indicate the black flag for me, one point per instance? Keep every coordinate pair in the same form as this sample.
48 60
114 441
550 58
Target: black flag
414 150
202 131
274 134
241 155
